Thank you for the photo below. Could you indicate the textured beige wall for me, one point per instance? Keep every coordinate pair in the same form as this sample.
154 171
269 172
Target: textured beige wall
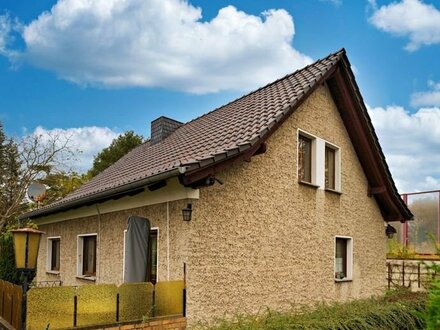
259 240
110 231
262 239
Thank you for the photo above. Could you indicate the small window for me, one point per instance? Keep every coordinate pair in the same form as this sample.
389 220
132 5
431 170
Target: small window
304 159
343 258
152 258
53 254
87 248
330 168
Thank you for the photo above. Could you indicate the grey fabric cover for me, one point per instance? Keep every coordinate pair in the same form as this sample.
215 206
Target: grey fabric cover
136 249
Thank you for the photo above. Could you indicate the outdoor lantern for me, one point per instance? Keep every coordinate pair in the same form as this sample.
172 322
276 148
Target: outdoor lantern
26 244
390 231
186 212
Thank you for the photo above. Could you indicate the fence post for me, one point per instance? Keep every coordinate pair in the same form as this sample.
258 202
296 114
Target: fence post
75 309
403 273
389 275
117 307
418 275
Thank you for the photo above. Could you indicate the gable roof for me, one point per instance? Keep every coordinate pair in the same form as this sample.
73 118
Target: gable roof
236 131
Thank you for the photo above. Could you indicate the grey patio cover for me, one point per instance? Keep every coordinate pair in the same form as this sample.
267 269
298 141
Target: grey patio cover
136 249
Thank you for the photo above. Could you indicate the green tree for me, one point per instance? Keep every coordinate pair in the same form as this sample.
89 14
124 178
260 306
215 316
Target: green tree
118 148
23 161
61 184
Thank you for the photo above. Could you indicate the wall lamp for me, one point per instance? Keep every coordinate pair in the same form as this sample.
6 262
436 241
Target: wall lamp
390 231
187 212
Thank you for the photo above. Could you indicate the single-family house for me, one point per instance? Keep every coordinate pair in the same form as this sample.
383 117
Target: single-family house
287 190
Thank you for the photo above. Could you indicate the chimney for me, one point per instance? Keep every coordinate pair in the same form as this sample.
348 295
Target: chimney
162 127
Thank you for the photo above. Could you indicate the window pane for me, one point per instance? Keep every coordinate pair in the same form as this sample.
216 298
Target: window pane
305 159
341 258
152 258
55 260
89 255
330 168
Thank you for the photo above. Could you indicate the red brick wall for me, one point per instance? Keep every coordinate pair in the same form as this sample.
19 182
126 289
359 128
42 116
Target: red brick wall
168 323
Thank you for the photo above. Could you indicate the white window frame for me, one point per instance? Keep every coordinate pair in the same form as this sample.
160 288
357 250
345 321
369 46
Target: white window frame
337 165
49 255
79 260
123 253
313 164
318 161
349 257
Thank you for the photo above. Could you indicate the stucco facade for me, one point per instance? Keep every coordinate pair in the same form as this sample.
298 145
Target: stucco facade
261 239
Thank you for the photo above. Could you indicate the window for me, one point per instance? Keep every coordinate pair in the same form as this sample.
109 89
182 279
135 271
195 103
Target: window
87 255
53 254
152 257
319 162
343 258
330 168
304 159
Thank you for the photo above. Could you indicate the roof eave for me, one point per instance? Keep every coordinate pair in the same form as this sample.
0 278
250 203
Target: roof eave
116 192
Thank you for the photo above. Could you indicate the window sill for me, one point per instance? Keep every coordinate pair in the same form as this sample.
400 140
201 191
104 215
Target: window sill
308 184
337 280
53 272
87 278
337 192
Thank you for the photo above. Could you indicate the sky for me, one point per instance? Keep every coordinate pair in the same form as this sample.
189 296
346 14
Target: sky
92 69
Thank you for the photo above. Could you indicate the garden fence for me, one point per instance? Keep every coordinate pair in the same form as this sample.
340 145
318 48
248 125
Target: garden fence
10 303
412 274
90 305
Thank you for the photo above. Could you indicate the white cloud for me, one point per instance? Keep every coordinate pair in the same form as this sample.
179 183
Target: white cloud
87 140
161 43
411 143
427 98
418 21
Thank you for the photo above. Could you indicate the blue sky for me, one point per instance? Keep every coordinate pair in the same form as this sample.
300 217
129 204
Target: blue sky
95 68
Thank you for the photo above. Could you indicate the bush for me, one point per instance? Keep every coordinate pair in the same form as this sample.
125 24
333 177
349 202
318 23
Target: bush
8 272
400 310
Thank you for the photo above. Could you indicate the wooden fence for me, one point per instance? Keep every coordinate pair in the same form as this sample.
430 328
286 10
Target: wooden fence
415 275
103 304
10 303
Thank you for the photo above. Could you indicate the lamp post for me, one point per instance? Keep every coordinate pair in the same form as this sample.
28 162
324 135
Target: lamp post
26 244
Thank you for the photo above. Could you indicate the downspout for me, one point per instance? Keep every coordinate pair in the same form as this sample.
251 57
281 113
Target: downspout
98 271
168 241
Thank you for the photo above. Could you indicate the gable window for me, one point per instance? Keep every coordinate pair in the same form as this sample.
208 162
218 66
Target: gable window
87 248
343 258
304 159
330 168
53 254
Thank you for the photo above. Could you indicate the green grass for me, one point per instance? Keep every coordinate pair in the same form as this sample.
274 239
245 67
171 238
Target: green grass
398 310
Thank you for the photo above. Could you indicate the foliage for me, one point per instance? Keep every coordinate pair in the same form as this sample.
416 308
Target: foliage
397 310
23 161
118 148
61 184
396 249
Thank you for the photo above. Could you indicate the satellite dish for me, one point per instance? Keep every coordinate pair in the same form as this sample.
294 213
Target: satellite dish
36 192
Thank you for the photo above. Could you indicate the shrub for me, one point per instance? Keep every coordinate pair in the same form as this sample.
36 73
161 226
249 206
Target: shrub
399 310
8 272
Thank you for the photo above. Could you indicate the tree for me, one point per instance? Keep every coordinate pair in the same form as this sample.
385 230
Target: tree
118 148
22 161
61 184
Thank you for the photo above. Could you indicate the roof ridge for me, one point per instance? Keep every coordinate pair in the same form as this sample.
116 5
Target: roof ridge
339 52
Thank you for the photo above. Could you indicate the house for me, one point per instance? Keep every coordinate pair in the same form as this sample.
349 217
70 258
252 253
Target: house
289 192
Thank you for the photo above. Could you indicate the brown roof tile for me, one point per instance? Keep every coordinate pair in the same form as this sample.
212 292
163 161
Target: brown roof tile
219 134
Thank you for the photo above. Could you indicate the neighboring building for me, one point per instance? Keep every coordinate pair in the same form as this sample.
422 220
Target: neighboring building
289 191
